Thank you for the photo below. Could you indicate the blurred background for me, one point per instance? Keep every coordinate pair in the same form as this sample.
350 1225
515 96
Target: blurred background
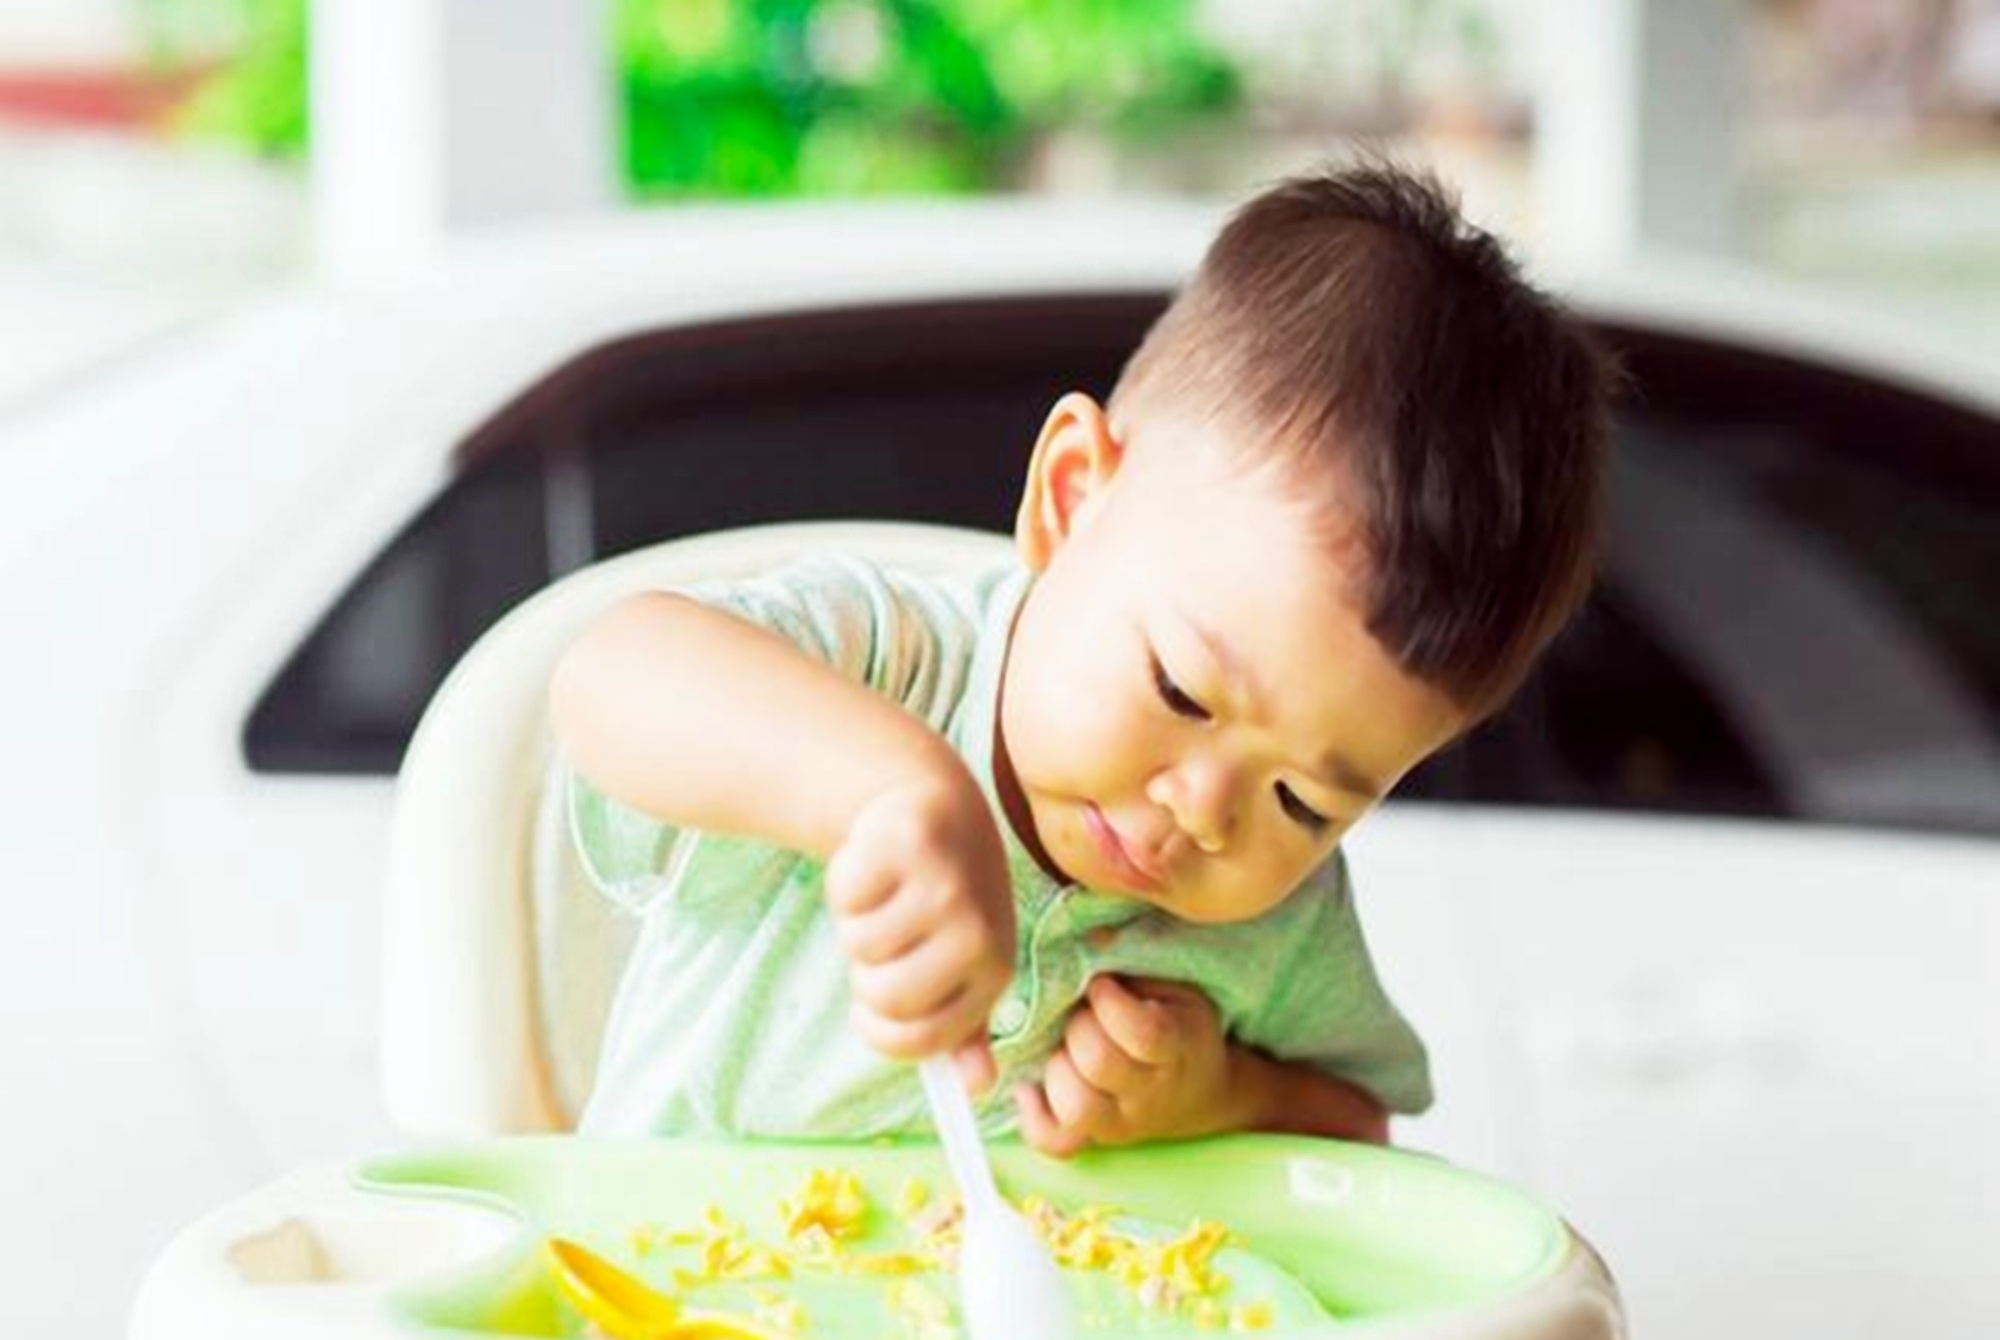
157 157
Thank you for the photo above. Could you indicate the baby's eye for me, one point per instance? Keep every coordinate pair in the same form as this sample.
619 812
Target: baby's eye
1305 815
1172 695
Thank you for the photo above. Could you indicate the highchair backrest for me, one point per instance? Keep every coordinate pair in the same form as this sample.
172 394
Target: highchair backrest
498 960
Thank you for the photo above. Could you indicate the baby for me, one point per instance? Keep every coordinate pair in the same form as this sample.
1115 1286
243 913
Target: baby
1078 820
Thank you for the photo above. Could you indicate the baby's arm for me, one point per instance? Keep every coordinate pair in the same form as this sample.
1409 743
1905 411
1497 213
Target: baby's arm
708 721
1293 1098
1148 1060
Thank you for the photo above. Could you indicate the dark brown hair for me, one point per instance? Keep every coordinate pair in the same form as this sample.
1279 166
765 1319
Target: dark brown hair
1352 329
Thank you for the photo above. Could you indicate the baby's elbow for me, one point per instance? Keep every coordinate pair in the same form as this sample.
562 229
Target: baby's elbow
582 686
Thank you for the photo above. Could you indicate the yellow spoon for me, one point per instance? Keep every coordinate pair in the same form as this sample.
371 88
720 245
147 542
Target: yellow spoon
625 1307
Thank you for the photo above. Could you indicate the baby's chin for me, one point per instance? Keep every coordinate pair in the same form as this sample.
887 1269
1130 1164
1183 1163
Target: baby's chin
1195 908
1190 910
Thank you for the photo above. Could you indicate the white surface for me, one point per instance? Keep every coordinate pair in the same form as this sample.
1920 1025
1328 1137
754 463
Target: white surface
1637 126
422 126
1756 1064
57 325
306 1257
37 32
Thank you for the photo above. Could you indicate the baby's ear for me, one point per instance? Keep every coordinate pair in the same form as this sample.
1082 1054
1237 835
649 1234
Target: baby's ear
1075 456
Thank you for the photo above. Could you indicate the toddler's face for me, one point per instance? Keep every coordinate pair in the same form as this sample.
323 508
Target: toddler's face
1192 711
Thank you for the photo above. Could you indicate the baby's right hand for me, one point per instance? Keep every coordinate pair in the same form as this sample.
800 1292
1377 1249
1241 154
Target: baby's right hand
922 904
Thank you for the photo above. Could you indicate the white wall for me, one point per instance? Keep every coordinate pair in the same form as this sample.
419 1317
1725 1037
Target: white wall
65 32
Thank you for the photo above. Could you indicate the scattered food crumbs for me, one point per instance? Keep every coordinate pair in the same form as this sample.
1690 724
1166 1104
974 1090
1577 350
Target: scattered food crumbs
912 1197
830 1264
831 1200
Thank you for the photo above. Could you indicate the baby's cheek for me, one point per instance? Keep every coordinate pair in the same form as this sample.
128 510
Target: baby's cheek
1092 730
1074 729
1114 723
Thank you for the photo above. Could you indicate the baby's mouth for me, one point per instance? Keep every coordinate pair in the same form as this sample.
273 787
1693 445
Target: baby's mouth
1139 869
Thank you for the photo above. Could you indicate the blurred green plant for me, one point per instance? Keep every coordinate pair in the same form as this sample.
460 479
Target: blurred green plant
254 99
810 97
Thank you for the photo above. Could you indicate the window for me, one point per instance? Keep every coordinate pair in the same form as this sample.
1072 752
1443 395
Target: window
349 698
1795 619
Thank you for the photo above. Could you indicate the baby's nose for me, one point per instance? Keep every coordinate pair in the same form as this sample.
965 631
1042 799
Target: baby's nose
1201 798
1207 838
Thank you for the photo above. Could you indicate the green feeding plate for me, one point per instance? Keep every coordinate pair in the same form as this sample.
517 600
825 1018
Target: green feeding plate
1328 1238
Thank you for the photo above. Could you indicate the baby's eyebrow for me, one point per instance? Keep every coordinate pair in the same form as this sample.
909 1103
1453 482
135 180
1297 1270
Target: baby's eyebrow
1342 775
1233 667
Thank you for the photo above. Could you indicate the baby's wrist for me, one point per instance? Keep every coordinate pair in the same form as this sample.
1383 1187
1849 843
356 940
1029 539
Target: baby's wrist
938 778
1293 1098
1250 1090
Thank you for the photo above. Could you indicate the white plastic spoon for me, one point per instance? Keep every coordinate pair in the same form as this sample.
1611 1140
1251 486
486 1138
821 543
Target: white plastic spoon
1008 1286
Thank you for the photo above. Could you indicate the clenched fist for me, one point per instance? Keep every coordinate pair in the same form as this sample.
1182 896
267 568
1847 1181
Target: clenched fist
923 907
1140 1060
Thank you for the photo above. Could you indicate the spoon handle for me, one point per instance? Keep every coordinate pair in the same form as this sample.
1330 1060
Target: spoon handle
958 1131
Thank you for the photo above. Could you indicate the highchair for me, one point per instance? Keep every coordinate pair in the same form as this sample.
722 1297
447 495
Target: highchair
498 967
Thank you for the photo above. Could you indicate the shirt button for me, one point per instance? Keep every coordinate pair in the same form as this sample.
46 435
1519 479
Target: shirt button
1011 1016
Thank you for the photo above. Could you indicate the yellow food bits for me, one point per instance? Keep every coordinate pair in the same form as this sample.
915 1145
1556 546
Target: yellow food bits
924 1311
1255 1316
778 1312
1170 1277
881 1263
912 1197
826 1220
1188 1262
832 1201
727 1253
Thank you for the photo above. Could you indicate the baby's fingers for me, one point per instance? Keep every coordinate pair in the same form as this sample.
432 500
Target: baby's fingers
1141 1028
855 882
976 1066
887 931
1039 1126
911 1008
914 1039
1079 1105
919 982
1101 1062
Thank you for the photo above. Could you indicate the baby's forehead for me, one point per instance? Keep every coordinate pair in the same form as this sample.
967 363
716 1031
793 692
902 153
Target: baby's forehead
1274 522
1307 469
1256 601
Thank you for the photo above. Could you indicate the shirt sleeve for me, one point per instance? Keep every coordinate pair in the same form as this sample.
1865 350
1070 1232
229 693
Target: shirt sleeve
906 638
1326 1007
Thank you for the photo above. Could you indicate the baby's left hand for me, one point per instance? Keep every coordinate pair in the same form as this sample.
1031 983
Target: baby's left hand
1141 1059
